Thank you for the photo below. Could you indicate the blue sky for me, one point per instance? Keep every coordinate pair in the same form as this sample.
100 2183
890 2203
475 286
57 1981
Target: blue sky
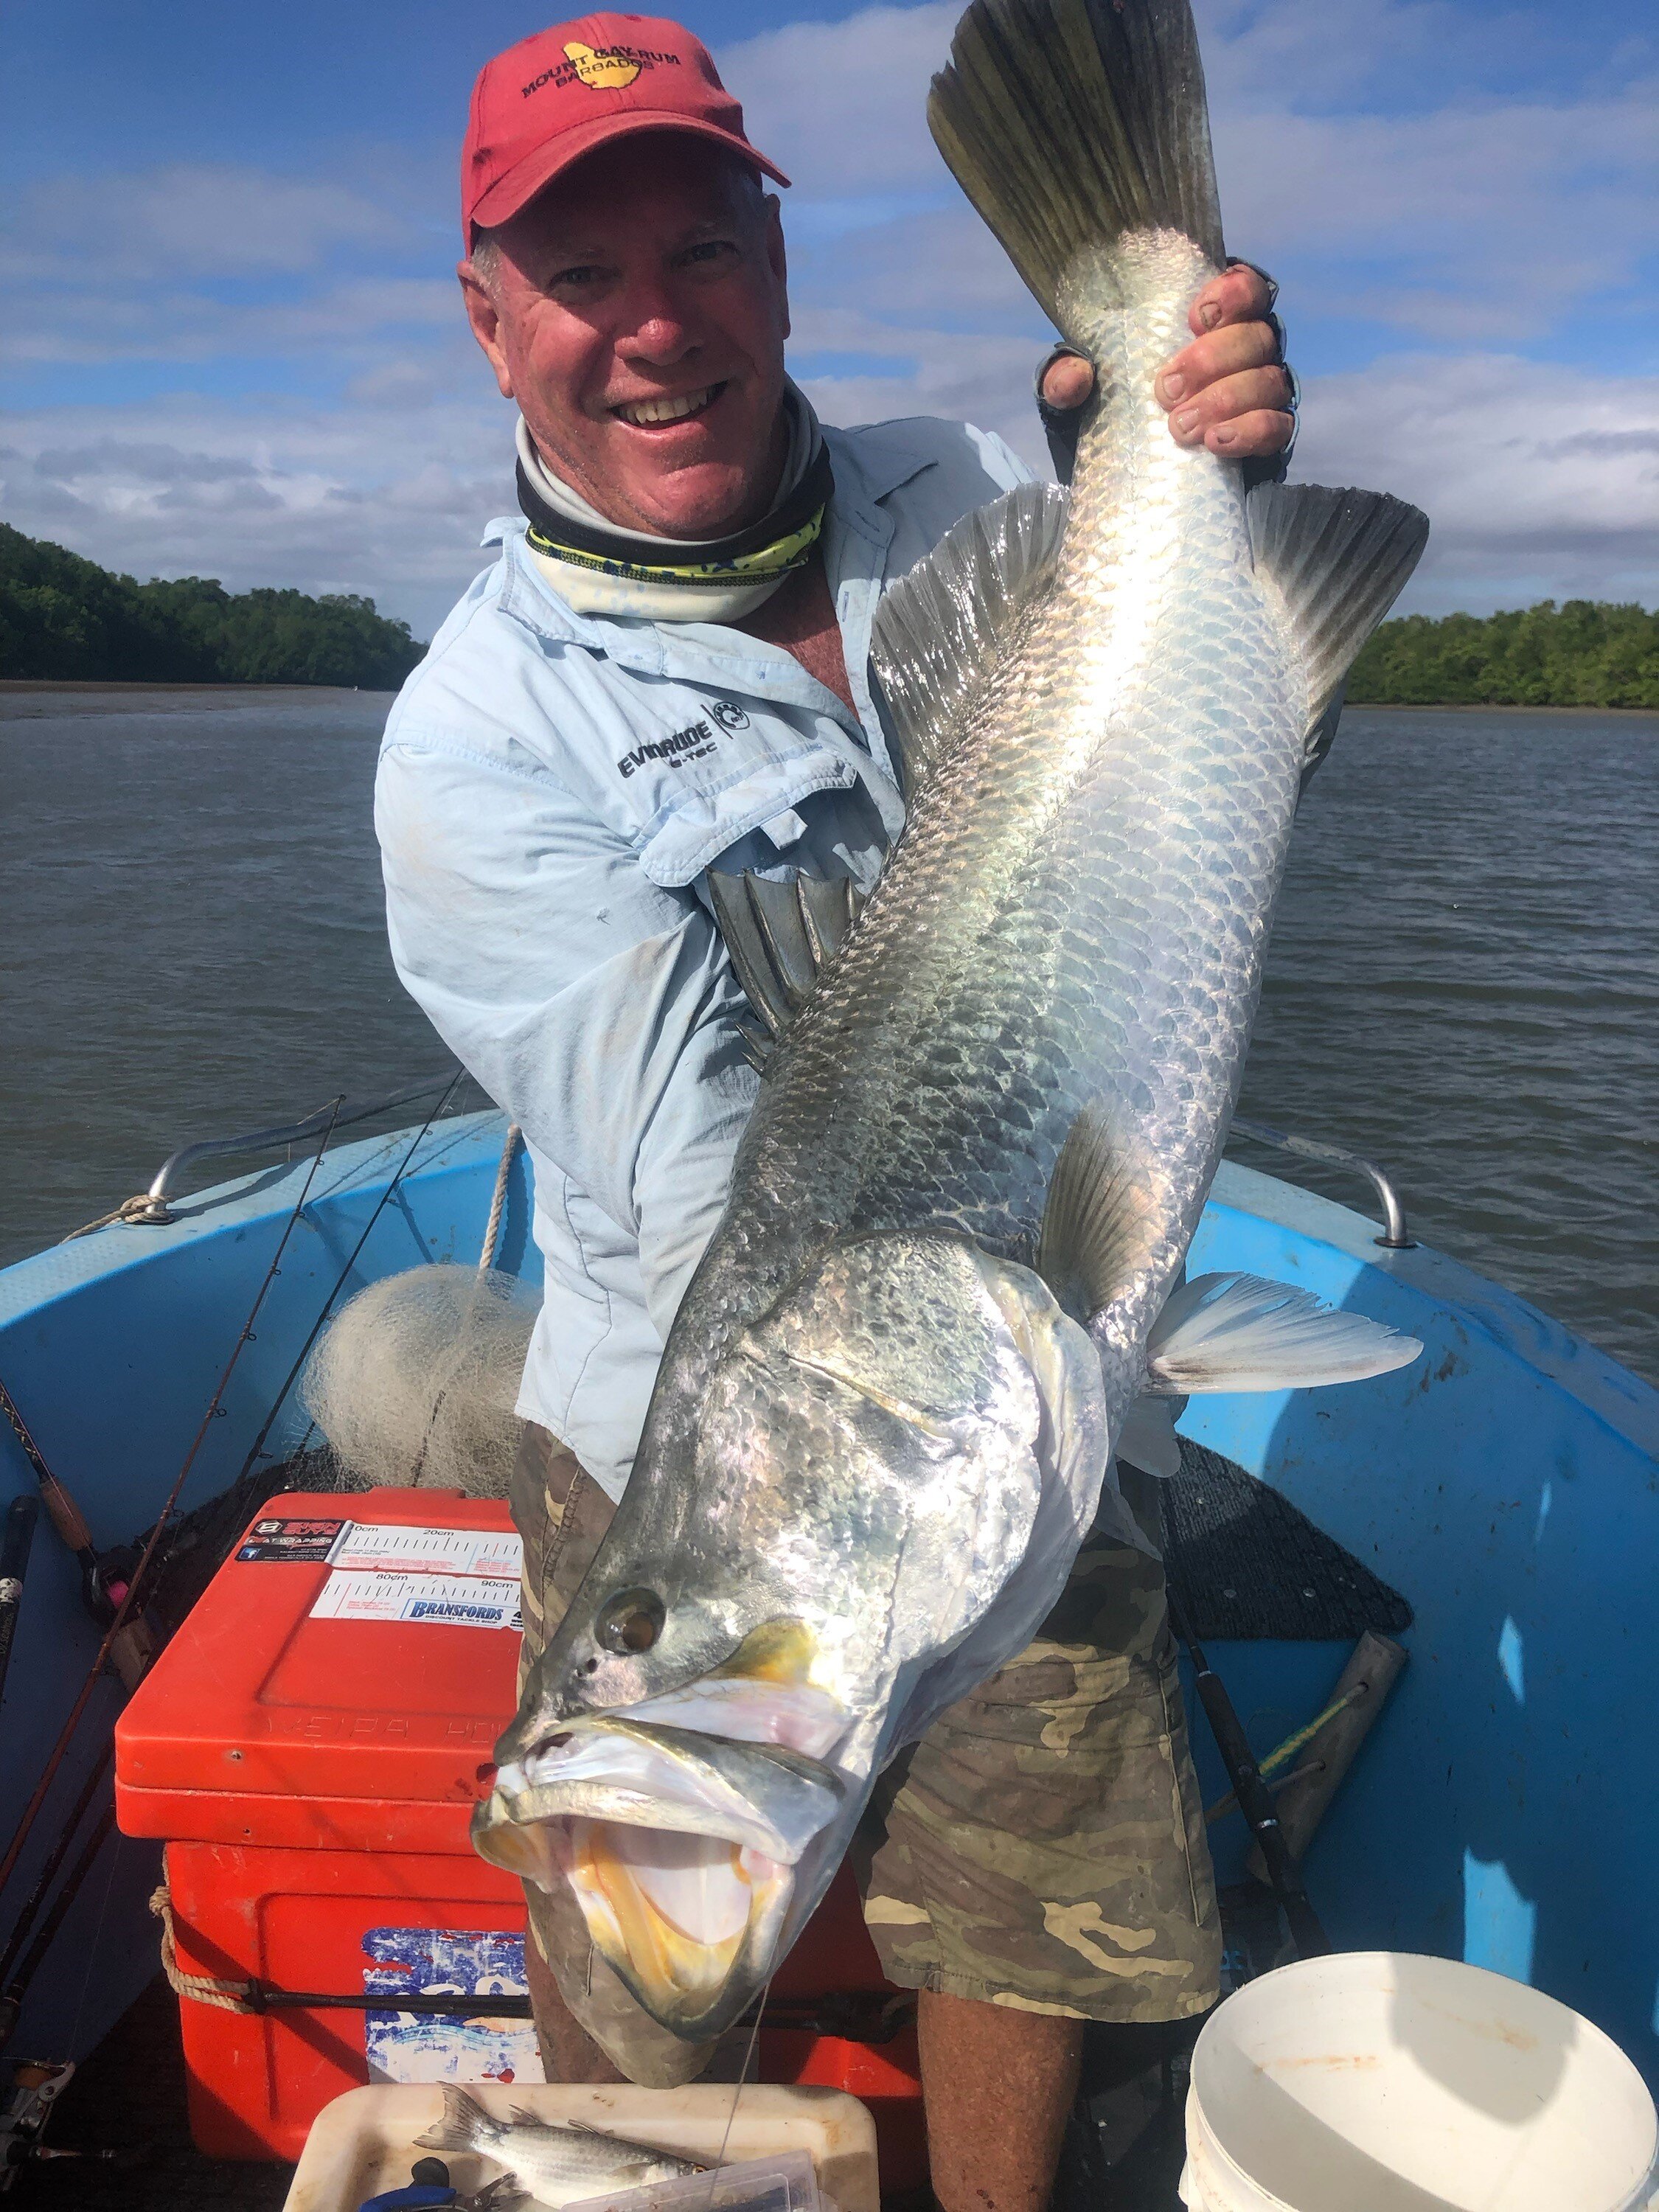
232 344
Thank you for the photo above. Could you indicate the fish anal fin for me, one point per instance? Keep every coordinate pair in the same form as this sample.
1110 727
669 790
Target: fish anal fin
1097 1224
780 937
939 630
1337 559
1243 1333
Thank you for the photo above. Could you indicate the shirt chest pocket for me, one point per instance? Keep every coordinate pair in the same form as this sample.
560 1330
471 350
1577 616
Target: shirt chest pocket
692 787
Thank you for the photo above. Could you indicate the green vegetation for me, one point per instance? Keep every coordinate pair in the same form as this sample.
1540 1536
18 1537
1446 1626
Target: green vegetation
1582 654
68 620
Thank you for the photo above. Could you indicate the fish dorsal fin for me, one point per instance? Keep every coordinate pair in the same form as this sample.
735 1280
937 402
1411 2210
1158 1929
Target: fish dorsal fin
1338 559
939 630
1098 1224
780 937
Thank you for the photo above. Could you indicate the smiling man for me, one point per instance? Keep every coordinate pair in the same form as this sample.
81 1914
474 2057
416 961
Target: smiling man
666 672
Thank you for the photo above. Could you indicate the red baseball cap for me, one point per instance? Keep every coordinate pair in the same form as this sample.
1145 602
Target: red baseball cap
552 98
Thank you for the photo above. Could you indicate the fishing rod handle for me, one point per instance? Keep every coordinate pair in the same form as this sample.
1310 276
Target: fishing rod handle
20 1518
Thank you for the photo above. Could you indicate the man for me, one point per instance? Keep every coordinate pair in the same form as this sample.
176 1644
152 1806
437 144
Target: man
665 672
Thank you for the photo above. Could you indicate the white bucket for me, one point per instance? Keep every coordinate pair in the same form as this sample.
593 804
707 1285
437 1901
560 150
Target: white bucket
1380 2082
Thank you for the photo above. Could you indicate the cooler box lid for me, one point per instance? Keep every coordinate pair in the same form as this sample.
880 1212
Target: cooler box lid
340 1683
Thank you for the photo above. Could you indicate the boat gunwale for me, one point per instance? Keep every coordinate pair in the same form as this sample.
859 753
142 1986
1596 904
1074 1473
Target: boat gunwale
1612 1394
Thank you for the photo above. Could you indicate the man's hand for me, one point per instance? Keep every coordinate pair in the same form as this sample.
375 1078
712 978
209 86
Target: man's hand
1228 390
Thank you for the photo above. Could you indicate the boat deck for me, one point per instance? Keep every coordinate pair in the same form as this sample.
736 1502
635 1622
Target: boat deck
128 2100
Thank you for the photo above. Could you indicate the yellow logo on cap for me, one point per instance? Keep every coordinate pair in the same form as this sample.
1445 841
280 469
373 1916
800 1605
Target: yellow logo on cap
604 71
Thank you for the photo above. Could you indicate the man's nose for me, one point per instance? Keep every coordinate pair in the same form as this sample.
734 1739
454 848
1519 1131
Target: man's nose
654 330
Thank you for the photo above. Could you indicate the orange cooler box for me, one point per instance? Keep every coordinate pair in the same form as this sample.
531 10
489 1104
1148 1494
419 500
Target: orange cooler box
308 1747
312 1776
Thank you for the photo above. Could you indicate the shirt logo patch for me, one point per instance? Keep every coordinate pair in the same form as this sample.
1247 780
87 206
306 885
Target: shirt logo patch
695 742
729 716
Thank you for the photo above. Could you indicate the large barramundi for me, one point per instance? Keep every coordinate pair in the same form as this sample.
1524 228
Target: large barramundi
888 1407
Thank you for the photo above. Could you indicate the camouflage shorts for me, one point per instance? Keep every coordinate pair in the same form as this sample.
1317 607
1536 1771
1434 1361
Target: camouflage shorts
1042 1847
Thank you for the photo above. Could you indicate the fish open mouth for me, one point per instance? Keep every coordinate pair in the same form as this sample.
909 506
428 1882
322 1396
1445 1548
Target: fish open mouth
677 1825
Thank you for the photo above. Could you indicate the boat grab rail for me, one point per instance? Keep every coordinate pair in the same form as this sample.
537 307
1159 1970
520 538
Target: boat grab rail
1396 1236
150 1209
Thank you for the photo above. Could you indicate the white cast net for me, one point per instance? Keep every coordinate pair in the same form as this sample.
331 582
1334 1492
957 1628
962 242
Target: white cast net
414 1383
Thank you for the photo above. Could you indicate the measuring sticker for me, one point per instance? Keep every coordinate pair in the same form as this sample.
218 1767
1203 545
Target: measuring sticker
292 1539
452 1600
390 1550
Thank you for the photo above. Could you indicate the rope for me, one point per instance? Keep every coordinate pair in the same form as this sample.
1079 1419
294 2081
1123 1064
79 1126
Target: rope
498 1204
201 1989
140 1207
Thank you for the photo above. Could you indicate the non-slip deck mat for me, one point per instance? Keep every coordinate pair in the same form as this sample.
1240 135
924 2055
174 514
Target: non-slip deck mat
1249 1565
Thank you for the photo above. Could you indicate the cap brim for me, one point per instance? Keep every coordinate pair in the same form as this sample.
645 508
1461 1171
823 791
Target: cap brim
521 184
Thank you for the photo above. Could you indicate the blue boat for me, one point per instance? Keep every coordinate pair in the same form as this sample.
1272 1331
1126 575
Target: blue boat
1502 1492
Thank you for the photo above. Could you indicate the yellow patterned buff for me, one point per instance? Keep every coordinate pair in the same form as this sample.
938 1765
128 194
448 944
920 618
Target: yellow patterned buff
768 564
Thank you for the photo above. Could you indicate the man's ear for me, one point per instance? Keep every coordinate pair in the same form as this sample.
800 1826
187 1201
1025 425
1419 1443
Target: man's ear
486 318
777 260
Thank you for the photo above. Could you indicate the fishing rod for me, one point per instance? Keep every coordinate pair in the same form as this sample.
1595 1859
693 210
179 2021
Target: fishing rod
15 1990
31 1906
21 1517
30 1811
64 1515
54 1856
101 1585
1256 1800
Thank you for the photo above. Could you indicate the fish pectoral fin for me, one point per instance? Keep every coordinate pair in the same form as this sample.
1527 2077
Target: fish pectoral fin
780 937
1147 1438
1243 1333
939 632
1101 1219
1338 561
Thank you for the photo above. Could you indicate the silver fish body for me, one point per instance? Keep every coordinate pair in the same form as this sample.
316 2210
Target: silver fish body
545 2163
887 1407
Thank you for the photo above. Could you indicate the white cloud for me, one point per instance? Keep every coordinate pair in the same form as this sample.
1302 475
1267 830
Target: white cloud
841 106
386 500
193 219
1539 480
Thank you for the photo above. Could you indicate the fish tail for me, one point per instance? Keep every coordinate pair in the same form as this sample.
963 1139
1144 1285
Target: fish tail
1068 123
465 2125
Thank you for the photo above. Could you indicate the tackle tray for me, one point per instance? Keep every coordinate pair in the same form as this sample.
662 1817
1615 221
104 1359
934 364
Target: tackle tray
364 2143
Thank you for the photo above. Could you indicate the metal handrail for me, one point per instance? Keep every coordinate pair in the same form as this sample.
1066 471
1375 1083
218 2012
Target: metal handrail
1396 1236
152 1210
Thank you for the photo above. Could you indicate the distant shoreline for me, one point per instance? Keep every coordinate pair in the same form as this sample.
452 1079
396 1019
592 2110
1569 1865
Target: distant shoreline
40 698
115 683
1486 707
89 692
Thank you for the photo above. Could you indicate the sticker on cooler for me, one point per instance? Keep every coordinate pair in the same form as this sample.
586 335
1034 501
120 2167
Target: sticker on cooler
412 2046
391 1550
454 1601
288 1538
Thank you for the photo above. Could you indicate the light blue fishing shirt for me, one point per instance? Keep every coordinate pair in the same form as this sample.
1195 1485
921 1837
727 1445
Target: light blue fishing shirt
552 786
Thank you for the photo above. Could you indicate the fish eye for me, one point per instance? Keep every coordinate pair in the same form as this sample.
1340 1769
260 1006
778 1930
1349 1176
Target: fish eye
630 1622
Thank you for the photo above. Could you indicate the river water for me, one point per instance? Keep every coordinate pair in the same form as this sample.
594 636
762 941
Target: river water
1464 979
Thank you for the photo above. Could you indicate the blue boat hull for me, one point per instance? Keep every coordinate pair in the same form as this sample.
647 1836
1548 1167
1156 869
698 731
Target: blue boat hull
1508 1484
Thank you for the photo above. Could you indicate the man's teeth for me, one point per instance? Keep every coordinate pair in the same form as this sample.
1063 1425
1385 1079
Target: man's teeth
667 410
